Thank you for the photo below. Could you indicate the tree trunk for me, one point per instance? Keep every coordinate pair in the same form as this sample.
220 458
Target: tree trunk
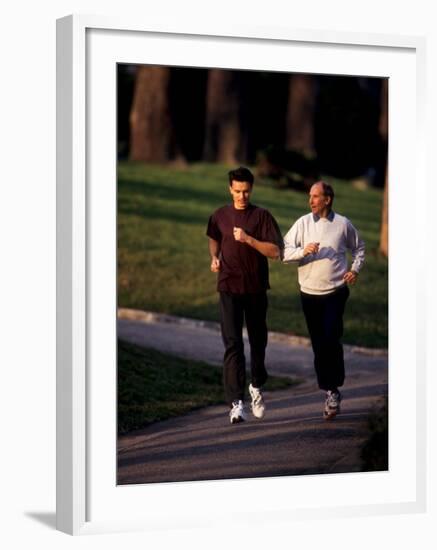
383 114
300 113
383 130
224 134
383 241
150 122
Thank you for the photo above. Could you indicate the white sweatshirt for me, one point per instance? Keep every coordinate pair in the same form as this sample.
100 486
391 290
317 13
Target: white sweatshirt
322 273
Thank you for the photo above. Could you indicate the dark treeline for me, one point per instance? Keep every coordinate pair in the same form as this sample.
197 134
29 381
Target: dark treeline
336 123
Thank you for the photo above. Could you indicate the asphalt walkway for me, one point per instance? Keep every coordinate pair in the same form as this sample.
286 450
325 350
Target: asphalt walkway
292 439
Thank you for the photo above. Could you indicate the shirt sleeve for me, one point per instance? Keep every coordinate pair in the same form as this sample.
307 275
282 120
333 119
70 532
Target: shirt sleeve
293 249
213 230
357 247
270 231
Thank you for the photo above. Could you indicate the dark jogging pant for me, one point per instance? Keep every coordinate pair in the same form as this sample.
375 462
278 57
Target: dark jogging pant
234 309
324 317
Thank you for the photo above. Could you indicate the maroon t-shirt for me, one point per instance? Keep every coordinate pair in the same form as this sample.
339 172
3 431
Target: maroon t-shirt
243 270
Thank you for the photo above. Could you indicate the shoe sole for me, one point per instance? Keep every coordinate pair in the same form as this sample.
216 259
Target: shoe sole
259 417
330 415
237 420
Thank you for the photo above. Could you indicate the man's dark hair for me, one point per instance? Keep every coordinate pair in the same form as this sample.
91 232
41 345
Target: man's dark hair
241 174
328 191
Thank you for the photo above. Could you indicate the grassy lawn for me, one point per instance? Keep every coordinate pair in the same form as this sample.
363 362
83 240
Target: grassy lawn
163 261
154 386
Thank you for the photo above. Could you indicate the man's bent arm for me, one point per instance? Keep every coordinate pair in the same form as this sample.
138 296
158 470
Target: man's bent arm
293 249
214 251
270 250
357 248
214 248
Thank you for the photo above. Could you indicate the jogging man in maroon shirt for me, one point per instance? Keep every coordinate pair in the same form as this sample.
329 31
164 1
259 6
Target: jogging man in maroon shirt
241 238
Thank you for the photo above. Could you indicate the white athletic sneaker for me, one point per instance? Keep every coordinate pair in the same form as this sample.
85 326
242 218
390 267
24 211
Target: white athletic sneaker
332 404
258 406
237 413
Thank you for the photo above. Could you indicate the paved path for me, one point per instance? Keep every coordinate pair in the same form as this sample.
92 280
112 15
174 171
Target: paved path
292 439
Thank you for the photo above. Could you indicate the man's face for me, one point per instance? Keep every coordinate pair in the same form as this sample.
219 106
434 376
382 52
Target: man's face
240 191
319 202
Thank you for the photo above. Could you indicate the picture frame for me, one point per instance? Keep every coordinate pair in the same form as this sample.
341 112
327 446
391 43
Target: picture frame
87 49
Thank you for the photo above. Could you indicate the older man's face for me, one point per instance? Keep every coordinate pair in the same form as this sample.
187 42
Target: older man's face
318 201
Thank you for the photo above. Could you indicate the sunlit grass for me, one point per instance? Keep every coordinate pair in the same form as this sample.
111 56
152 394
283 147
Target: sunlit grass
163 261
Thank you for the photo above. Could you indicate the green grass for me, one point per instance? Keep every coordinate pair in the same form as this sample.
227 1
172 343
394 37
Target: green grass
163 261
154 386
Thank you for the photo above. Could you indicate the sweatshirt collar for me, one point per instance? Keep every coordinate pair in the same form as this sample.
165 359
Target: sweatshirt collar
329 217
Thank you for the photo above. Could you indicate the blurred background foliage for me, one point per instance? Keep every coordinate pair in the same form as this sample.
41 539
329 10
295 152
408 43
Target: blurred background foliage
337 124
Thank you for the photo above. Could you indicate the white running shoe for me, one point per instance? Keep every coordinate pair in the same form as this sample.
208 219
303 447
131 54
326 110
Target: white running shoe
237 413
258 406
332 404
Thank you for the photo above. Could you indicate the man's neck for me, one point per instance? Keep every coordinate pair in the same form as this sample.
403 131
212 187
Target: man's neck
325 213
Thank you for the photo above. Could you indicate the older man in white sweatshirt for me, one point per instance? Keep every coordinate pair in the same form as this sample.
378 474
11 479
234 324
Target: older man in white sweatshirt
319 242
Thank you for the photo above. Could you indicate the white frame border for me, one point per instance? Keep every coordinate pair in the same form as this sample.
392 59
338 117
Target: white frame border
71 446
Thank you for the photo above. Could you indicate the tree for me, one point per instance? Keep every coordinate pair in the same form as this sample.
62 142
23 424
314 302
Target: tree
383 240
300 113
152 136
224 141
383 130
